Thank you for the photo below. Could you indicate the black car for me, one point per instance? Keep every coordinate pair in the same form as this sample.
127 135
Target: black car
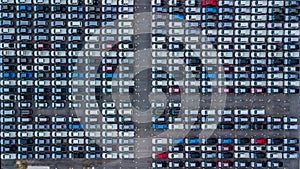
242 61
25 46
193 155
44 8
192 61
274 141
225 155
210 141
291 61
225 126
258 126
241 141
258 155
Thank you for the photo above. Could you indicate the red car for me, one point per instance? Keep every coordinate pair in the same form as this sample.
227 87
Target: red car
174 90
225 69
258 141
209 2
222 164
225 90
225 148
107 68
162 155
42 46
256 90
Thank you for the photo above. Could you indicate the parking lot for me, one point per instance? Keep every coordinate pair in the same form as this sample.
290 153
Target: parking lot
160 62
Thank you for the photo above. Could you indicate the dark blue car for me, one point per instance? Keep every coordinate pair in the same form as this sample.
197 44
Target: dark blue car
225 141
209 76
209 10
24 8
159 126
178 16
109 75
8 75
26 75
192 141
75 127
178 141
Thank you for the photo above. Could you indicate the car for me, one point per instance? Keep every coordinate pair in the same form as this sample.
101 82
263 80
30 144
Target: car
290 155
257 112
225 141
289 141
290 126
209 141
258 141
159 164
290 119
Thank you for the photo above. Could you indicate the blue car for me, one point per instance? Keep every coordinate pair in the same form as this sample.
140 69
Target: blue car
76 75
75 127
209 10
26 75
209 76
225 141
159 126
178 141
24 8
109 75
8 75
178 16
192 141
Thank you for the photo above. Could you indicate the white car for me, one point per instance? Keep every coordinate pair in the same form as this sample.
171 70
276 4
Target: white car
9 134
110 155
26 134
191 148
175 155
274 155
290 119
159 141
240 112
42 134
154 105
126 16
290 155
110 126
290 127
240 155
176 126
274 148
208 126
208 112
108 105
126 133
126 148
208 148
126 155
257 112
60 134
126 2
110 134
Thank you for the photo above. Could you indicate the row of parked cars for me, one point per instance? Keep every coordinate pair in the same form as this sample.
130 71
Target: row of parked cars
225 3
225 141
224 126
181 151
65 155
225 119
220 164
